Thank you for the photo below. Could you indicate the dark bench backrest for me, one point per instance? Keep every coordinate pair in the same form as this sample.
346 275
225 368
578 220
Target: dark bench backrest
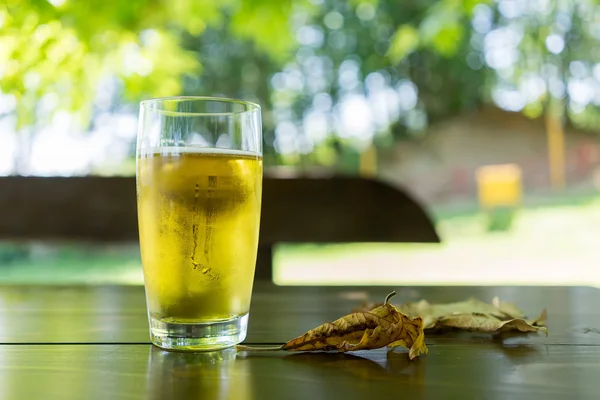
326 210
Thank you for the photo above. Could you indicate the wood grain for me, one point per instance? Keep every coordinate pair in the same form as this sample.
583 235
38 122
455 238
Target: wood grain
117 314
122 365
469 371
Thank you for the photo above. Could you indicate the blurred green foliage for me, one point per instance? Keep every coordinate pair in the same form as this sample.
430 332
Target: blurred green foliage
58 51
411 63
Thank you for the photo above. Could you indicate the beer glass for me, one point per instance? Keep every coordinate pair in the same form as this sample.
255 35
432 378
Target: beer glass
199 185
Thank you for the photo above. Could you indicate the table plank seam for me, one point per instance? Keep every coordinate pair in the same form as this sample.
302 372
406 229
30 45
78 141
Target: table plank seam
279 344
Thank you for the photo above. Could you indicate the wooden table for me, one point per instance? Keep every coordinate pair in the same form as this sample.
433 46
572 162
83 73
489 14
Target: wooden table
91 342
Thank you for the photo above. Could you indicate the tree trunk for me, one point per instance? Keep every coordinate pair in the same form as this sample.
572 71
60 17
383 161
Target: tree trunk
22 158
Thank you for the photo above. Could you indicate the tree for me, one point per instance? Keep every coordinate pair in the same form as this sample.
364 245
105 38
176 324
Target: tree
373 72
334 76
55 52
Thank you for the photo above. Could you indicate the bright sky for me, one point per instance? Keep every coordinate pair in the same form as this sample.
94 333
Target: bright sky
63 149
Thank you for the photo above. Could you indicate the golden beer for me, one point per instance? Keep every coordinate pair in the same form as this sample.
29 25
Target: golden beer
199 212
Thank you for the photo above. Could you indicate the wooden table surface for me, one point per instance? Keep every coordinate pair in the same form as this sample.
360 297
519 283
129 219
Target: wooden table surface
91 342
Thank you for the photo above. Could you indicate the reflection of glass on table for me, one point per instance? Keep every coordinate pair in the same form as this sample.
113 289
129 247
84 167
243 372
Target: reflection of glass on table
211 375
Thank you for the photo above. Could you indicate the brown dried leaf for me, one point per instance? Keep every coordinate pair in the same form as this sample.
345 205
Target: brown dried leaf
487 323
473 315
366 306
379 327
431 313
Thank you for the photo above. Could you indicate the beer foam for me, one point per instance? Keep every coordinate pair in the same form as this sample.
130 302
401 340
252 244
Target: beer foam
173 151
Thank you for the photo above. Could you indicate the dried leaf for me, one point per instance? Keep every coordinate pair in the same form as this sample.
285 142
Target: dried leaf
379 327
431 313
473 315
541 320
365 307
510 309
487 323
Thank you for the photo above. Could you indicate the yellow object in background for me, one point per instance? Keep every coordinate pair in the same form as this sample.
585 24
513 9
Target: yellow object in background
368 162
499 185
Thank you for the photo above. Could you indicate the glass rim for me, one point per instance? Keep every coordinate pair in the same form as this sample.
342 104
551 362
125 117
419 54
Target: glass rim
147 105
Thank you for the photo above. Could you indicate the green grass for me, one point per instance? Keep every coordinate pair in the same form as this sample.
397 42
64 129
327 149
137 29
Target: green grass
70 263
546 245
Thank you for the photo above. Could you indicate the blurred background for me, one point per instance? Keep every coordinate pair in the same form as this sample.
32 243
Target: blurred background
486 112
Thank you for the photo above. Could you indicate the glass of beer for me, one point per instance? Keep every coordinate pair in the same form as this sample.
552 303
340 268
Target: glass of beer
199 186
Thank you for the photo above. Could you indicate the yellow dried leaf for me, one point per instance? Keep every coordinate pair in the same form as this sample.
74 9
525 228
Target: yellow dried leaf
379 327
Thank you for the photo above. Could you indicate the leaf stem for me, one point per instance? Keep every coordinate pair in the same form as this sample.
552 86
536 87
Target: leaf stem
389 296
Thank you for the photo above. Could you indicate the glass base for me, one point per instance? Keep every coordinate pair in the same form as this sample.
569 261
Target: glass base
206 336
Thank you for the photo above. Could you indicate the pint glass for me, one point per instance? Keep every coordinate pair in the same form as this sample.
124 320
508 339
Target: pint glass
199 183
